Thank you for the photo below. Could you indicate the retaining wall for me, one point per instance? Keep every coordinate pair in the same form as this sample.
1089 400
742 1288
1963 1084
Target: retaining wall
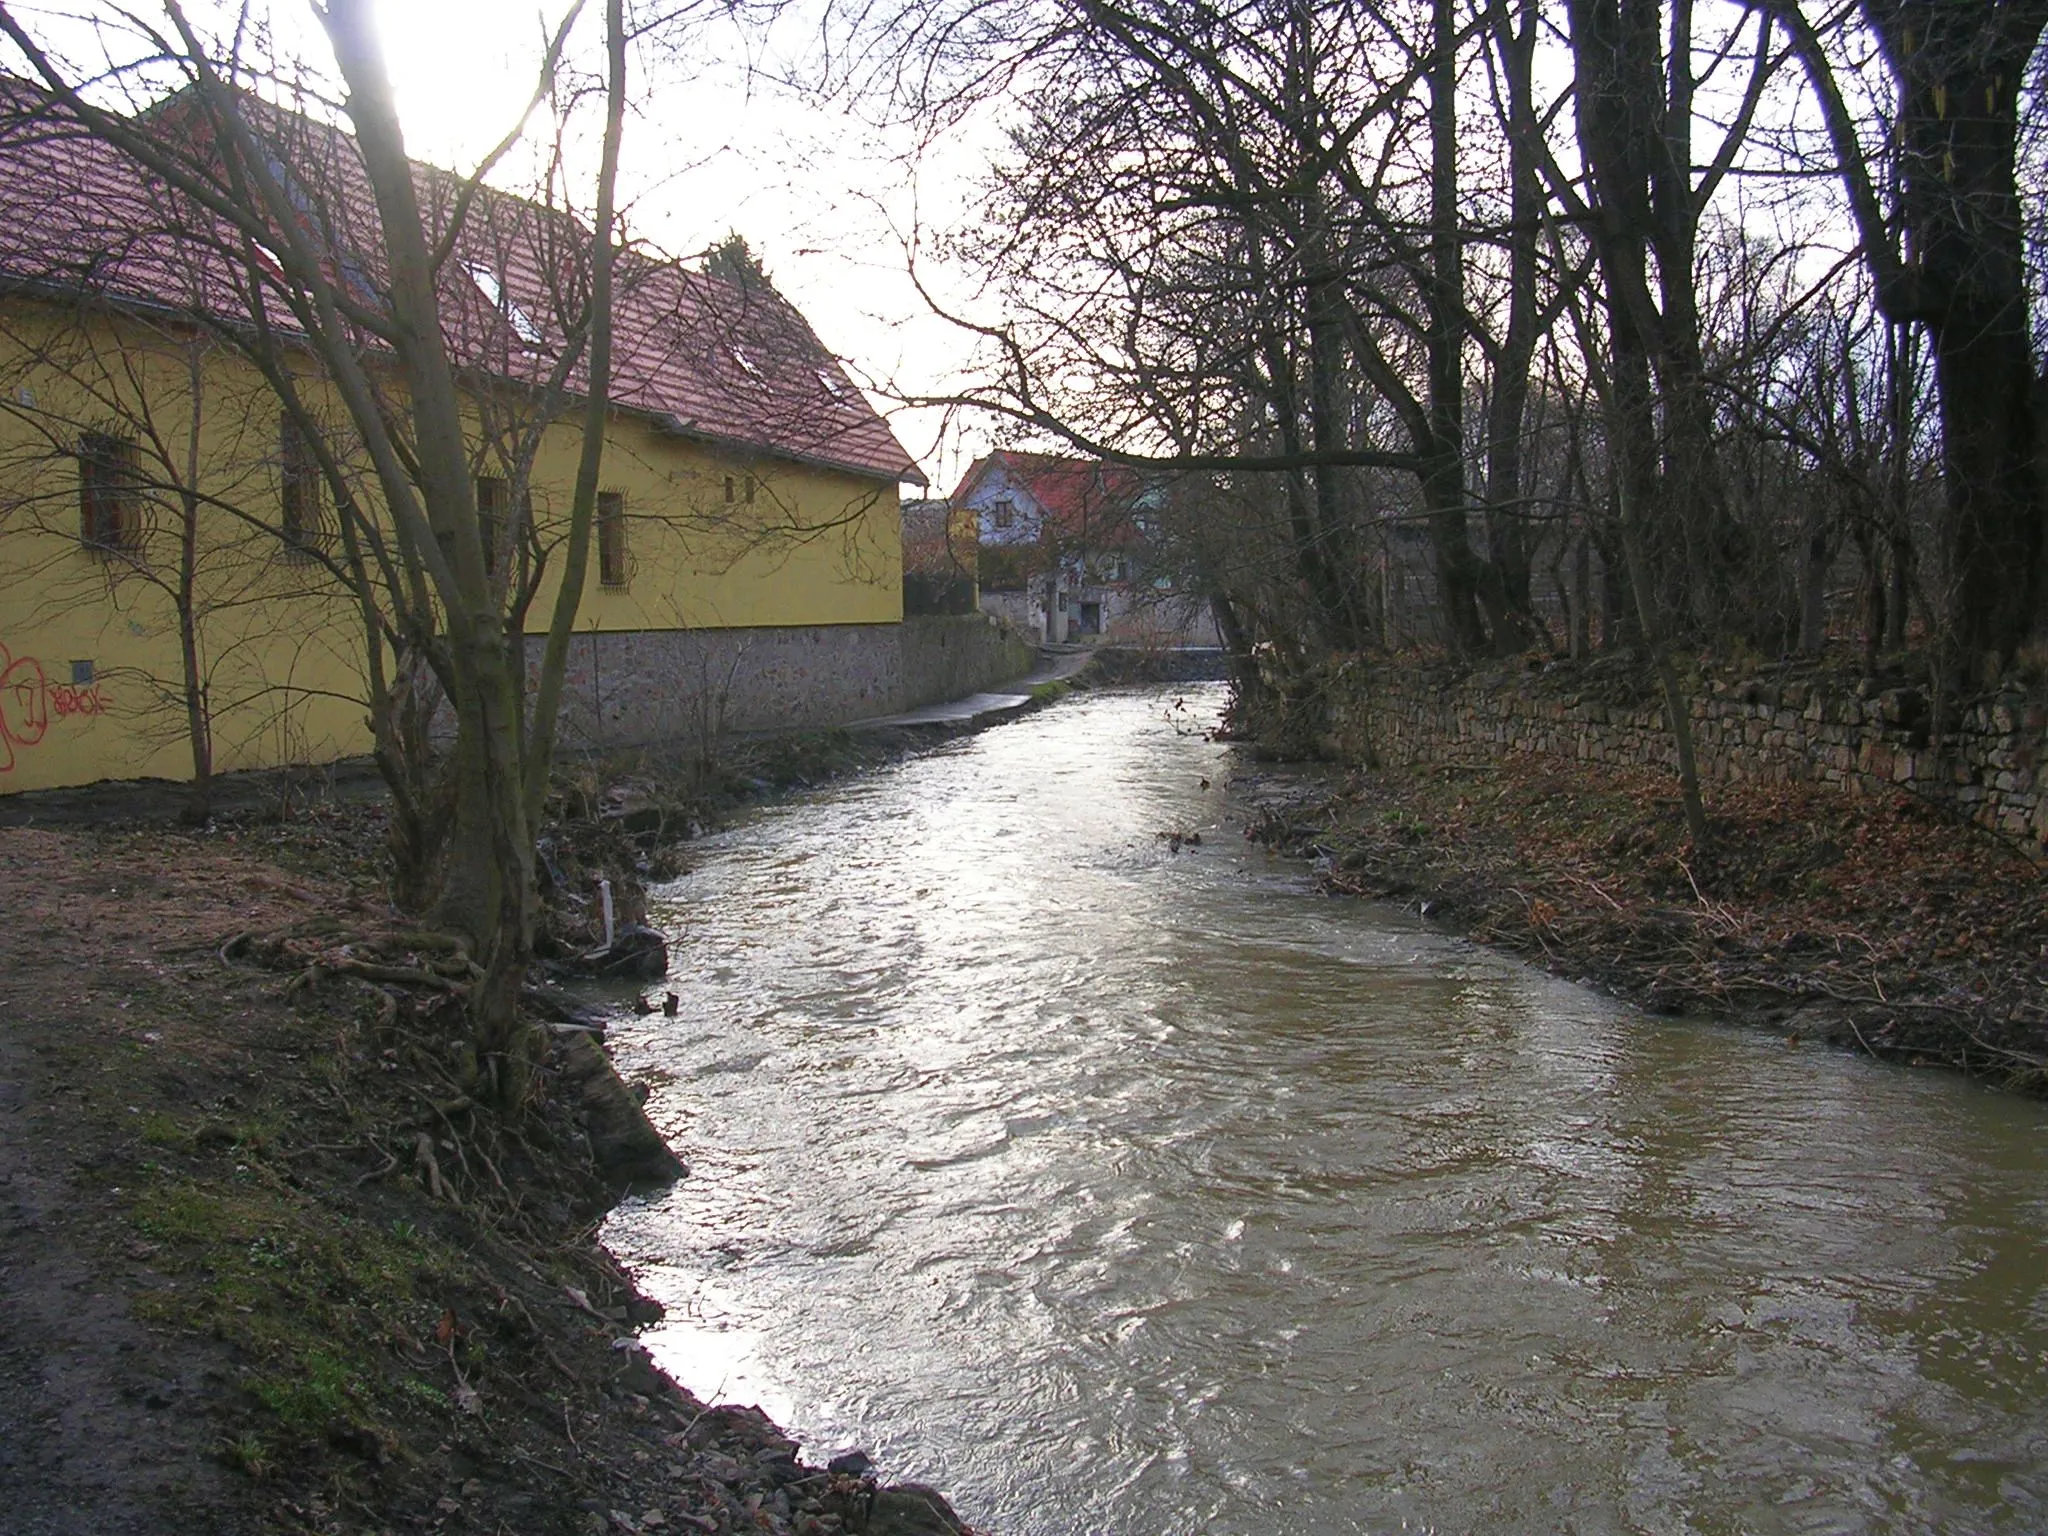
1862 736
625 688
952 656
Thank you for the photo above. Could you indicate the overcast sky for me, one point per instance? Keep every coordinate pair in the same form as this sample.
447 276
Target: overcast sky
716 145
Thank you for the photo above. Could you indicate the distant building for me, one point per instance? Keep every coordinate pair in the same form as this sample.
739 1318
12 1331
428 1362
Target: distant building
1064 545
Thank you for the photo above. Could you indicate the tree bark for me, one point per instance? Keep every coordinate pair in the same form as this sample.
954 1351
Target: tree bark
198 720
1959 270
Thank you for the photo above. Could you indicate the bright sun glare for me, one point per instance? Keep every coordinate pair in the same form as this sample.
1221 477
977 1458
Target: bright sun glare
704 155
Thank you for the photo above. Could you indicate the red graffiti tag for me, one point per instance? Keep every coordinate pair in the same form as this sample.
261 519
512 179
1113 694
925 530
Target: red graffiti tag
28 699
66 700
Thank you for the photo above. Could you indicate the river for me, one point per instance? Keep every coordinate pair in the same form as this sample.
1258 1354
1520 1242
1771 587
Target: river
1119 1189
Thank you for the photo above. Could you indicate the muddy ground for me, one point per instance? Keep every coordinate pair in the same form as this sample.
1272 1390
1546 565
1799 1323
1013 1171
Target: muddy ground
1884 924
263 1269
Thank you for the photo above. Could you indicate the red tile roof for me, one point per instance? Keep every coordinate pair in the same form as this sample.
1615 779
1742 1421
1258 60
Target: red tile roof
1085 499
719 361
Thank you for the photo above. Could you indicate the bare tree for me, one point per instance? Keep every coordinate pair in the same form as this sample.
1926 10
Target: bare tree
1946 250
319 246
125 443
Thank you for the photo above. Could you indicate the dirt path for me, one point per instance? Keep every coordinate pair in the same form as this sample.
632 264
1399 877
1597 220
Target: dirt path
98 1431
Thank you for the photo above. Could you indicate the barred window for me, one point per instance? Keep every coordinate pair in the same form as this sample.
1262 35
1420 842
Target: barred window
492 499
109 494
611 538
304 528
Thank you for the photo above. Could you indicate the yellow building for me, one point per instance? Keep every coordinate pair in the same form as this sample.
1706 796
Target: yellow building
164 537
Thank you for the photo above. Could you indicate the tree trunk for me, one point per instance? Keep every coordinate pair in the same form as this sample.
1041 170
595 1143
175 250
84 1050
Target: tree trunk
198 720
1582 608
1677 707
1507 544
1817 555
1443 477
1960 70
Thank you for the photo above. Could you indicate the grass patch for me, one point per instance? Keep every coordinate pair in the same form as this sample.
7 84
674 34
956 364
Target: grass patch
320 1394
161 1130
332 1315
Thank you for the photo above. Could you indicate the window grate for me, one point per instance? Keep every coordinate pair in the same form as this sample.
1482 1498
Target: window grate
302 517
109 494
611 538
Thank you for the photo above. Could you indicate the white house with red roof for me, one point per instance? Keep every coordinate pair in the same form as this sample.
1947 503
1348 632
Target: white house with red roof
1064 546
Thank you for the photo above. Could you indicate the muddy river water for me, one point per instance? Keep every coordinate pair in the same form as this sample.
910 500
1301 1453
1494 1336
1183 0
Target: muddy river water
1124 1190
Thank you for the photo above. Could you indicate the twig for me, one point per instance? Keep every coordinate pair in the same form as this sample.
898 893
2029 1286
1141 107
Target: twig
390 1162
541 1461
1594 887
441 1189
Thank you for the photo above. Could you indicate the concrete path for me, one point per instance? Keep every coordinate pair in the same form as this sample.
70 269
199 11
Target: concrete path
1056 663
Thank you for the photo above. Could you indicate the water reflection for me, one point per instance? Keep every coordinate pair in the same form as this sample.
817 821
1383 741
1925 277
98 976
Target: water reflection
1117 1189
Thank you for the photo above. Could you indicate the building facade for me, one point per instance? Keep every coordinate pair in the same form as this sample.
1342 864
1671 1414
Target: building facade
1066 552
168 544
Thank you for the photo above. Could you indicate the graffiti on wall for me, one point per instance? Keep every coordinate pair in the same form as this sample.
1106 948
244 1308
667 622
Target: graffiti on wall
29 701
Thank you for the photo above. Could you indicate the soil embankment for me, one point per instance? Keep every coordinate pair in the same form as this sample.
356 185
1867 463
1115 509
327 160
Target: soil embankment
265 1267
1880 923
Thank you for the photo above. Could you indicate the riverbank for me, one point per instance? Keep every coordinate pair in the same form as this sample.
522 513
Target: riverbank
1880 923
266 1267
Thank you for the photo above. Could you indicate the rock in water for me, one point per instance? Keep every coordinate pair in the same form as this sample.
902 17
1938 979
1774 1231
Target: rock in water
637 954
912 1509
627 1149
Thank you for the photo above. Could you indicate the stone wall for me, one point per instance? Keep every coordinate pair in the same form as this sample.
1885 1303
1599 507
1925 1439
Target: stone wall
625 688
949 657
1860 735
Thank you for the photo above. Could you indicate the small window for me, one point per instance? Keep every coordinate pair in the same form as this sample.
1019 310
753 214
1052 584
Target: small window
1003 514
731 490
303 528
109 494
268 261
491 502
611 538
488 283
749 488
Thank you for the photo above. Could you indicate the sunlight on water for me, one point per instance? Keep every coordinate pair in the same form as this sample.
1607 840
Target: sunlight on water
1112 1188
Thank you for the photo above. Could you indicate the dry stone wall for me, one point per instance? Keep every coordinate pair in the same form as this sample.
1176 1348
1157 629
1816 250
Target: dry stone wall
1862 736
